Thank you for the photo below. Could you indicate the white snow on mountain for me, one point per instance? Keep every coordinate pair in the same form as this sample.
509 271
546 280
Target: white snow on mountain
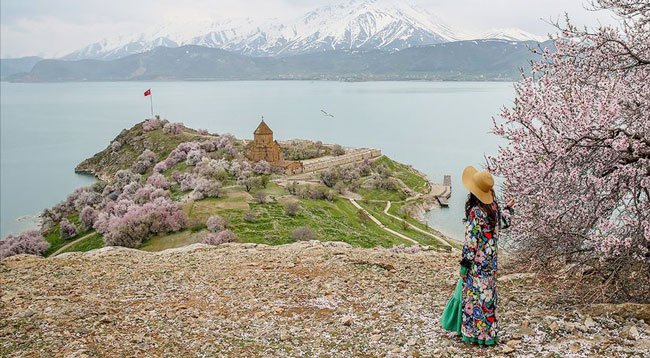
510 34
352 24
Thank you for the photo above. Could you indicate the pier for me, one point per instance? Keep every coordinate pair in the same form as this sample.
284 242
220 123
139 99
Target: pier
443 197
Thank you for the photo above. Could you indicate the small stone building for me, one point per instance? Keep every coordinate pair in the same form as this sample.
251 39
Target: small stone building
263 147
292 167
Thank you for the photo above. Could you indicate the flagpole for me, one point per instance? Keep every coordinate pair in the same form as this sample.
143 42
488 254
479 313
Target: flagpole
151 100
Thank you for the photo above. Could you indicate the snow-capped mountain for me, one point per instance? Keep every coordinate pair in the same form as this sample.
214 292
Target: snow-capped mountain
352 24
510 34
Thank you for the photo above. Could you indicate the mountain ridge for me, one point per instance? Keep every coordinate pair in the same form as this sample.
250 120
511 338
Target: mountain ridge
351 24
460 60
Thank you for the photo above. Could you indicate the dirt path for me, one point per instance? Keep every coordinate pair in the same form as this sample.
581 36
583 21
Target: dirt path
436 237
376 221
71 243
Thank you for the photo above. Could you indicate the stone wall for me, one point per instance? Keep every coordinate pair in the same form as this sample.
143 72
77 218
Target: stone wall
354 156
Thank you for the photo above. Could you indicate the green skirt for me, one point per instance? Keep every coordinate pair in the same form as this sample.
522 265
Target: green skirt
452 317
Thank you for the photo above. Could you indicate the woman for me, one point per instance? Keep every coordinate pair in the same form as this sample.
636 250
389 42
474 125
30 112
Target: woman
471 312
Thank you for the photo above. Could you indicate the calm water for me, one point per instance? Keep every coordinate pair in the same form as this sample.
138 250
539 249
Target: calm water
47 129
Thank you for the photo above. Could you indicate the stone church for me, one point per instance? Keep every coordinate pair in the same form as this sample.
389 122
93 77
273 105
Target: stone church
263 147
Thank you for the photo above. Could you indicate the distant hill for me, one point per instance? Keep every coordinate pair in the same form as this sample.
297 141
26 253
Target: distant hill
13 66
459 60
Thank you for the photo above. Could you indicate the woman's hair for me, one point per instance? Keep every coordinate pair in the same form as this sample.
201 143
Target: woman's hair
492 210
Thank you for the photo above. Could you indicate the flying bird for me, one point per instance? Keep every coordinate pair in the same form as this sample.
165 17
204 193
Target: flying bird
326 114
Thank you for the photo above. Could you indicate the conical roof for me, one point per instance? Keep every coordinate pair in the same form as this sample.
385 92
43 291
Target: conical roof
263 129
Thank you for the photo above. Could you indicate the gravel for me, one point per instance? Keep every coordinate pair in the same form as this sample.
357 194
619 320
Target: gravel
308 299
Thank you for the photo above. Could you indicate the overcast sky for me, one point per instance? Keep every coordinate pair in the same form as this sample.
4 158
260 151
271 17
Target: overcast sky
56 27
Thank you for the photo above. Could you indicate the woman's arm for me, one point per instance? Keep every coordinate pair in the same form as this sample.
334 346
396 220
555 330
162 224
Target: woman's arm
507 213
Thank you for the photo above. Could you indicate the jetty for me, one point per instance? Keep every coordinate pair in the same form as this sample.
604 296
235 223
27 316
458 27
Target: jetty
445 194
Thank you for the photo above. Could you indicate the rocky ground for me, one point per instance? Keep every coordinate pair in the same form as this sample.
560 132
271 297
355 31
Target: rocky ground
306 299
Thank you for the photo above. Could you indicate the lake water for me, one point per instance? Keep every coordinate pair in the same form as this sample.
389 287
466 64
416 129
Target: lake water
438 127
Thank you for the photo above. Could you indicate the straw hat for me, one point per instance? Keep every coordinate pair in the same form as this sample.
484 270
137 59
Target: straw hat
479 183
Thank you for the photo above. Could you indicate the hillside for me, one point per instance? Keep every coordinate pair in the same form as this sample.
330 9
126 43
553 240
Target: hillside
134 141
460 60
161 183
12 66
304 299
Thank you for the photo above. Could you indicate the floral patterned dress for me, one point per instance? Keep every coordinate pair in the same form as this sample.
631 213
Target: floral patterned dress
479 320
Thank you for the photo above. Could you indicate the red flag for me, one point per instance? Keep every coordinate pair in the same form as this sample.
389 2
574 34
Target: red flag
147 92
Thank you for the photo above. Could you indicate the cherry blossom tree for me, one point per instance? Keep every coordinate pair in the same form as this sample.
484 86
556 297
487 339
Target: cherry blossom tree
578 153
365 168
125 223
124 178
29 242
215 223
115 146
67 229
330 177
142 195
337 150
85 196
220 238
187 182
261 197
87 217
248 181
212 168
173 128
158 181
262 167
194 157
303 233
144 161
206 188
350 174
292 208
176 156
159 193
152 124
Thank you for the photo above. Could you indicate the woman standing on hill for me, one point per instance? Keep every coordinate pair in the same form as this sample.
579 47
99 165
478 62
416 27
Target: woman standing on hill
471 312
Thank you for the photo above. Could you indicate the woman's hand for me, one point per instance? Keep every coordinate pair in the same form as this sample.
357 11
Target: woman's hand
510 203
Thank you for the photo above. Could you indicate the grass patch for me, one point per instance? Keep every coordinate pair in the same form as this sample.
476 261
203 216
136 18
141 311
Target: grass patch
330 221
395 210
377 210
383 195
94 241
199 211
179 167
406 174
273 189
173 240
56 241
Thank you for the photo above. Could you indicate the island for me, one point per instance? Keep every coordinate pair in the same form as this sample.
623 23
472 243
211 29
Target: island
163 185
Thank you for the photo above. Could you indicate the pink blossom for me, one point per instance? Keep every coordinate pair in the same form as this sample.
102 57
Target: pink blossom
578 144
152 124
29 242
173 128
158 181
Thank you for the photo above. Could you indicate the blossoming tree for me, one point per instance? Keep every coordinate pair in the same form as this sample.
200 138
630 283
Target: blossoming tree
578 158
